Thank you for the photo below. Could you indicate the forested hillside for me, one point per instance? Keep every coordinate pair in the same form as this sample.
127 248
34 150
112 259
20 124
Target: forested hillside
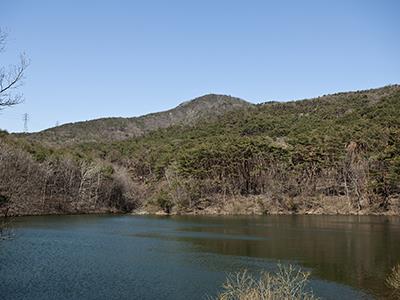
333 154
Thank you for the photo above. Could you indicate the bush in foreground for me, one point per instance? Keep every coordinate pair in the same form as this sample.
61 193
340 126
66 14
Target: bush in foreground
287 283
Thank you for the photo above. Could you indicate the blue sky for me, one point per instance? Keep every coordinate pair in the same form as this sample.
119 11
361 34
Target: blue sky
92 59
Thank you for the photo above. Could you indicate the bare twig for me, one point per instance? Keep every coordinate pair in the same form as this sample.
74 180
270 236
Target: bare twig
11 78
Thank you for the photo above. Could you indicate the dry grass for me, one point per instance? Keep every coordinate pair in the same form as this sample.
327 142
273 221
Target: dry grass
393 280
288 283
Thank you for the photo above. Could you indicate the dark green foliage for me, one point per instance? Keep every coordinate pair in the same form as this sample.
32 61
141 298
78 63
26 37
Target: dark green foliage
3 133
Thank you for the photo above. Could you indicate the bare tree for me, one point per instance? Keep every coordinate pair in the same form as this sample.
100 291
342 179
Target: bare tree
11 77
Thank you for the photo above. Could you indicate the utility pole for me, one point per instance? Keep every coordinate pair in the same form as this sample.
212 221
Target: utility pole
25 118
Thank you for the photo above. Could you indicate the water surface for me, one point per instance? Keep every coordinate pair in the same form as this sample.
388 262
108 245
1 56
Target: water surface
135 257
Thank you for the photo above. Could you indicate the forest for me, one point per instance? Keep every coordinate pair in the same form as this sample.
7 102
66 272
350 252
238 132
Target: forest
335 154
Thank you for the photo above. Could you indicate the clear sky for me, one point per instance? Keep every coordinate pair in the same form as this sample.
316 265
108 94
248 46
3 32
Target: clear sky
92 59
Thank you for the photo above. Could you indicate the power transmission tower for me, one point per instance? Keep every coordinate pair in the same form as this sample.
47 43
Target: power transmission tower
25 118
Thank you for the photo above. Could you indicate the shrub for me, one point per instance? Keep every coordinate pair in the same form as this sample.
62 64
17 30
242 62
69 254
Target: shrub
164 200
288 283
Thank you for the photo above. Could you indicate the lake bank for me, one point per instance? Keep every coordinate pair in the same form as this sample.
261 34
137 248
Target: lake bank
259 205
232 205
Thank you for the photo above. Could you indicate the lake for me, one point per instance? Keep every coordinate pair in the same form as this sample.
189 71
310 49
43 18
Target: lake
188 257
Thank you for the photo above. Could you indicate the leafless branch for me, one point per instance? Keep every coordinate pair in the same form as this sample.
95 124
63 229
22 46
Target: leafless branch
11 78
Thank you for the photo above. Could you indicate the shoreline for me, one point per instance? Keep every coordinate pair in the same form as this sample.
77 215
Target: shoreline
163 214
232 206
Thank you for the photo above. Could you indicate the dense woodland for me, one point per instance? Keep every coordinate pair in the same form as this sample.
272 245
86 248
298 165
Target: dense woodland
333 154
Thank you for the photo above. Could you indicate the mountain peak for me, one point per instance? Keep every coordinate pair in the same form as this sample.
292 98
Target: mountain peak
216 99
206 107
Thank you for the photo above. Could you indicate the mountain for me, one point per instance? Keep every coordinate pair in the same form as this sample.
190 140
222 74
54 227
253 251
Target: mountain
206 107
334 154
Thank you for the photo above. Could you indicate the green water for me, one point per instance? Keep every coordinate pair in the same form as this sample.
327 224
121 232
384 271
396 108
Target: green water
135 257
